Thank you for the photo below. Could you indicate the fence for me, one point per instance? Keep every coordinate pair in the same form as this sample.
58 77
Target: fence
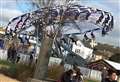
87 73
23 57
3 54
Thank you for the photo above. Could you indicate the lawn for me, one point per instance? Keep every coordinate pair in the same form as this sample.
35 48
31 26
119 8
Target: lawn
17 71
90 81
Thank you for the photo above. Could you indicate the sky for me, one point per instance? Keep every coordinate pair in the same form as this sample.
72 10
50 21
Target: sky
112 6
12 8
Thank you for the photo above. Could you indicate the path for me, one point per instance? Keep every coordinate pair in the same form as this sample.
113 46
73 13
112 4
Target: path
4 78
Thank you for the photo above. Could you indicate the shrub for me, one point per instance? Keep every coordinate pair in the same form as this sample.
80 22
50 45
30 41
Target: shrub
55 71
18 71
24 72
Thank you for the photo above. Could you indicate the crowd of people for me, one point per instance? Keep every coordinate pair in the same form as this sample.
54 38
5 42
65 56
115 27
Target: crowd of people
72 75
108 75
13 54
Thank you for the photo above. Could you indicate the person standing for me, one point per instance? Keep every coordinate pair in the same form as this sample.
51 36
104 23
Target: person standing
104 74
13 54
66 76
31 58
9 53
79 76
18 58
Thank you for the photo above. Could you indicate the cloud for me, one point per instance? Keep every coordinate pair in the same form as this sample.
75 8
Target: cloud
7 14
111 6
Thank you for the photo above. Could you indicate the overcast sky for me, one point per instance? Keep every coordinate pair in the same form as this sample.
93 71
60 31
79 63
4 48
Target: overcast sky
112 6
10 9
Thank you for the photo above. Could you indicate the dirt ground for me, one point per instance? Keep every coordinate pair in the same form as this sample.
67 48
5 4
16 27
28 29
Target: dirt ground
4 78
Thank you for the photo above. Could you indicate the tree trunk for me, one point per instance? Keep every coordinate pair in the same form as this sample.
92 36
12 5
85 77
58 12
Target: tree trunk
43 59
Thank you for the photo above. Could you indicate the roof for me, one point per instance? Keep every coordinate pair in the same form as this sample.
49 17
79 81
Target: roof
113 64
99 64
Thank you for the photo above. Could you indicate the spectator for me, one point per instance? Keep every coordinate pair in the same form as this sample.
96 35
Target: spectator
104 74
31 58
18 58
79 76
9 53
66 76
112 77
12 53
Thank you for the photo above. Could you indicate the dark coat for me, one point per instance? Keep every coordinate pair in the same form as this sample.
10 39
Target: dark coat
9 52
12 53
66 78
108 80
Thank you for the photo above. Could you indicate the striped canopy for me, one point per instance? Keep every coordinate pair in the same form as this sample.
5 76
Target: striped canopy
77 14
67 20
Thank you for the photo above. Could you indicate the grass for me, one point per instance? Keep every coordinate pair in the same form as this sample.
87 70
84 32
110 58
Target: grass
3 62
17 71
7 68
91 81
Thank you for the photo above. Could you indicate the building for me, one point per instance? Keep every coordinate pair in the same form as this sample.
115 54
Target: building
110 65
100 64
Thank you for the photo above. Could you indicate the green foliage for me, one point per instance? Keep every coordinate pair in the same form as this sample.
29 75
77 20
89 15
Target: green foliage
18 71
3 62
91 81
7 68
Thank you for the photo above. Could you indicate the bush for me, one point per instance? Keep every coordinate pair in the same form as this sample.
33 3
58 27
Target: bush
17 71
3 62
55 71
7 68
24 72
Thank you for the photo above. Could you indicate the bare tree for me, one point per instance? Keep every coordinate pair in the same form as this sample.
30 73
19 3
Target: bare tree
43 59
49 35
